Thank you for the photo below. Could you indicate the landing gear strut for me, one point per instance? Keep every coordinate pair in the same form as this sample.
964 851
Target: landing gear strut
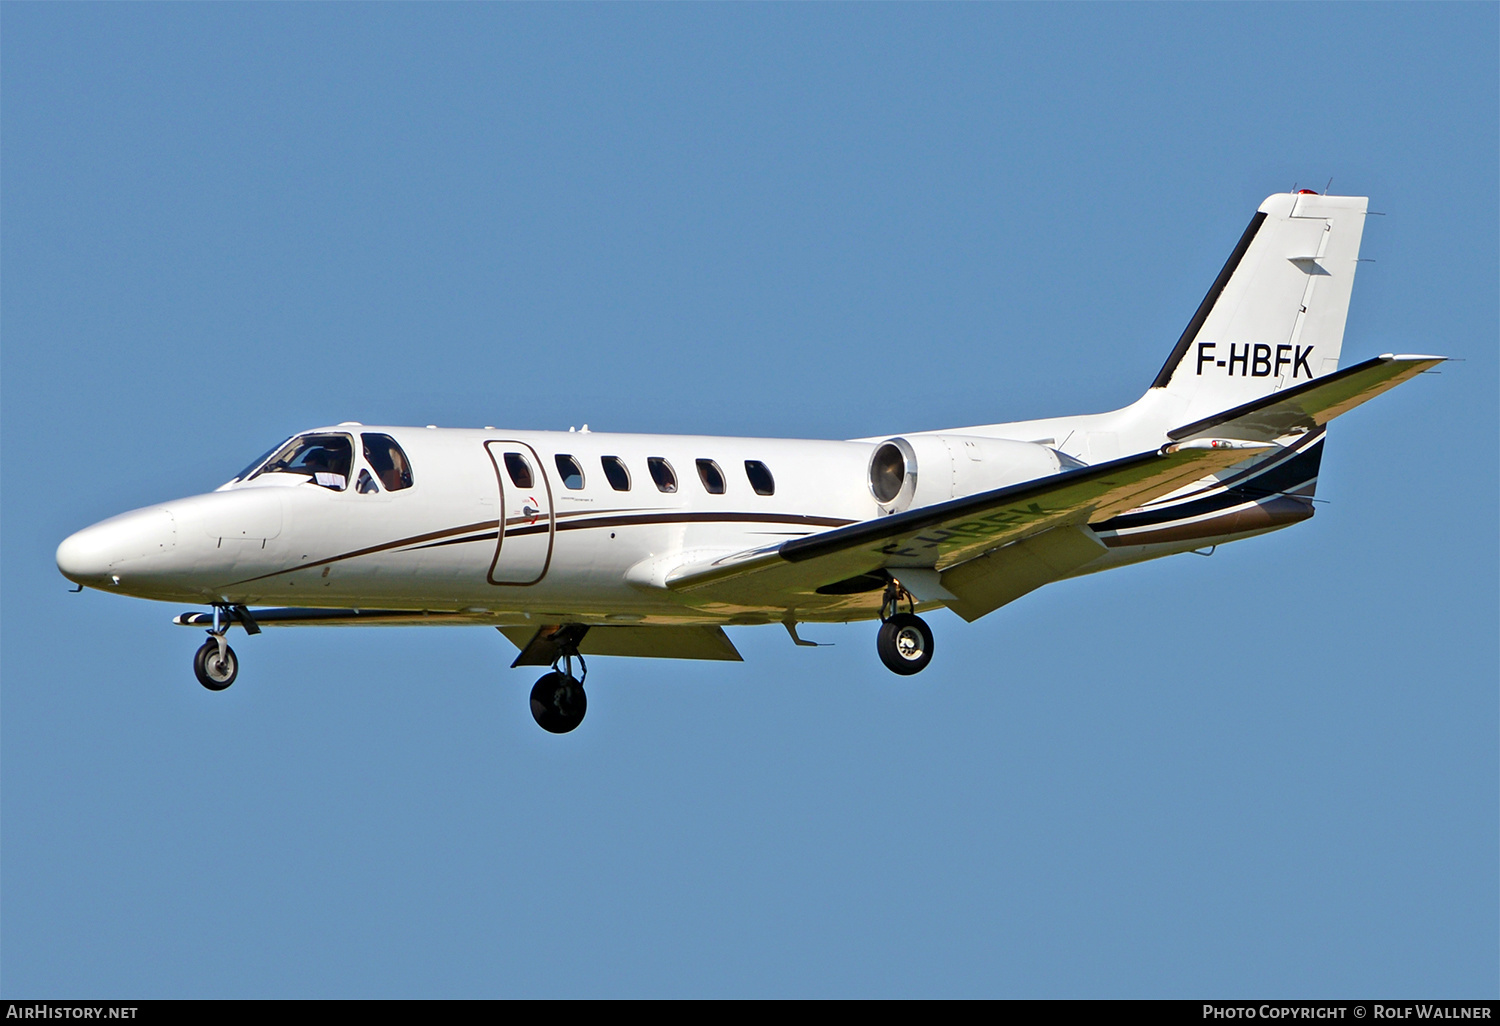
214 664
557 700
905 640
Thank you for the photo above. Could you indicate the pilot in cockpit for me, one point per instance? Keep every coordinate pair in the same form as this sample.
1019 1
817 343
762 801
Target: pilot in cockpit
321 464
323 459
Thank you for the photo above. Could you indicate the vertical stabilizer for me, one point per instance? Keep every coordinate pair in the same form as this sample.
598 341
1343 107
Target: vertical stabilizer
1275 315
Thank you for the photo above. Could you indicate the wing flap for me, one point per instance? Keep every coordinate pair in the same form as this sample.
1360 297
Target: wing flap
984 584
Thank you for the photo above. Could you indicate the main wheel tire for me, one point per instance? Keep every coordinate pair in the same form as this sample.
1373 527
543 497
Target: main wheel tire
558 703
904 644
212 673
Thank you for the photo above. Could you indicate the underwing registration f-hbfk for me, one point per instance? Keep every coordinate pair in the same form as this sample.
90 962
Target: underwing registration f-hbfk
587 543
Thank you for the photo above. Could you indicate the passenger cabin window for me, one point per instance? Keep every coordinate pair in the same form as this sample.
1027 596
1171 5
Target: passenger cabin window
323 459
388 461
711 476
519 470
760 477
615 472
570 472
661 473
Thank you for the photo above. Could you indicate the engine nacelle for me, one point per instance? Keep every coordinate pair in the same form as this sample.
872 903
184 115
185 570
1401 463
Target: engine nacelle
905 473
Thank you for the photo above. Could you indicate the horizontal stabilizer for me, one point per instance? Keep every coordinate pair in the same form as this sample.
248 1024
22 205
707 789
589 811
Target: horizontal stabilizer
1310 405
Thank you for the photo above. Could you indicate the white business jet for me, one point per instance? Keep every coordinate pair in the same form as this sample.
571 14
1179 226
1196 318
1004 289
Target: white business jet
580 543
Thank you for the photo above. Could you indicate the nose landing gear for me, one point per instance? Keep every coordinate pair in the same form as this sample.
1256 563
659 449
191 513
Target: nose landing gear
905 641
558 702
214 664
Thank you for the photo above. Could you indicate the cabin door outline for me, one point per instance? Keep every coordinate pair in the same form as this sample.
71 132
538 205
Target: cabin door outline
519 560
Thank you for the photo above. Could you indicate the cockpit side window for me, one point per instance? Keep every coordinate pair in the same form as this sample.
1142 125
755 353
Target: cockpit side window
324 459
388 461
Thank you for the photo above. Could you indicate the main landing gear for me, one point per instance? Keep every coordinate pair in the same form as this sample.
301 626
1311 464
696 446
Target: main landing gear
557 700
905 640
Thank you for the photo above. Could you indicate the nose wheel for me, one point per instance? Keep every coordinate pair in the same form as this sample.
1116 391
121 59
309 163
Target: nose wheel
215 665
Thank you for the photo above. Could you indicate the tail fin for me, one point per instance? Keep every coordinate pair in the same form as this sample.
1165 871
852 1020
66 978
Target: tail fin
1275 315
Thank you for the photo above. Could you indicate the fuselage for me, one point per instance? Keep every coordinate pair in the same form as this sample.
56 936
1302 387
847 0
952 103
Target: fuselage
570 539
505 526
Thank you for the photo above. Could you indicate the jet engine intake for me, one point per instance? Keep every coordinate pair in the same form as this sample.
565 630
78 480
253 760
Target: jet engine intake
919 470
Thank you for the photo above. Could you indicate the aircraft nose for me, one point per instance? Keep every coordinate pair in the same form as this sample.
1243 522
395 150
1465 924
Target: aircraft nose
95 555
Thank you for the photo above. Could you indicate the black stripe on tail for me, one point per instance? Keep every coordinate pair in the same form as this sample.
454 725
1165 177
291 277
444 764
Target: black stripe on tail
1206 307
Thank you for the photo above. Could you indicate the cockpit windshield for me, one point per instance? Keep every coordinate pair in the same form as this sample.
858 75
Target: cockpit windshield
242 475
323 458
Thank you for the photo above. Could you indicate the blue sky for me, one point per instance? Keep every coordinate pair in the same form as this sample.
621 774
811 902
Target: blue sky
1269 772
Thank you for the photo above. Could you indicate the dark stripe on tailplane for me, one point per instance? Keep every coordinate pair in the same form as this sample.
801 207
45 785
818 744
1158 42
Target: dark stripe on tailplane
1259 467
1285 476
1278 480
1266 515
1206 307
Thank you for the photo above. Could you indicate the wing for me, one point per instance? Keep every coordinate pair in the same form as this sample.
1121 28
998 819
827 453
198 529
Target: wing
947 533
1309 405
